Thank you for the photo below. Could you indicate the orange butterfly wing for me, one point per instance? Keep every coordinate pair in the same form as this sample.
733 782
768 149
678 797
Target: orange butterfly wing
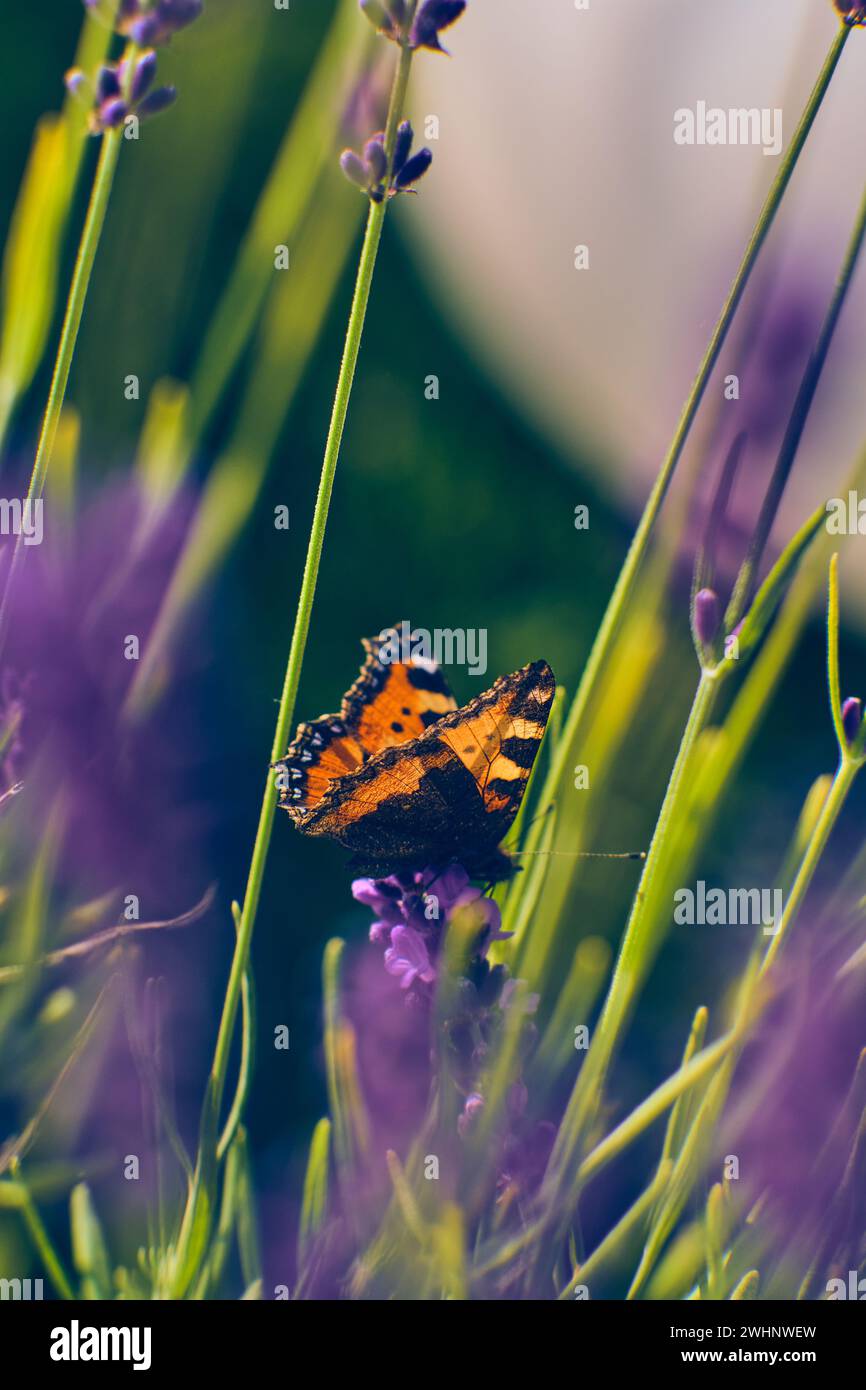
389 704
451 793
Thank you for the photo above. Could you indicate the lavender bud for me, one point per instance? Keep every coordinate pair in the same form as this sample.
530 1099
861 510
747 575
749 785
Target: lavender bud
354 168
107 83
76 83
852 717
402 145
414 168
433 16
113 112
143 76
852 11
377 15
472 1108
159 23
157 101
145 31
375 160
706 616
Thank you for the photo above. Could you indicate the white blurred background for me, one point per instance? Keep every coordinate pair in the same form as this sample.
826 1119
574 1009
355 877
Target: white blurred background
556 130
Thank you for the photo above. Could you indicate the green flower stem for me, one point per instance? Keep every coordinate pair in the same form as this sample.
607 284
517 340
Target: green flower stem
285 715
625 584
42 1241
636 951
87 248
835 800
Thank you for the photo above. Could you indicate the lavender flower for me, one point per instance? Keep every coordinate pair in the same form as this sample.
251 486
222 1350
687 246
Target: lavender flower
472 1108
852 717
706 616
407 957
852 11
412 914
147 23
433 16
109 99
369 170
389 17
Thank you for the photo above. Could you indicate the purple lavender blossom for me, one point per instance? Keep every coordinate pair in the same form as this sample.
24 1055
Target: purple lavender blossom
413 169
412 913
473 1107
706 616
108 98
852 11
433 16
369 170
389 17
124 796
148 24
64 683
407 957
852 717
793 1118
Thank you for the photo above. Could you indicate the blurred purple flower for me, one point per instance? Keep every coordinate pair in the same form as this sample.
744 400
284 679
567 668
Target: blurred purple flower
80 595
794 1116
146 23
109 100
472 1108
767 360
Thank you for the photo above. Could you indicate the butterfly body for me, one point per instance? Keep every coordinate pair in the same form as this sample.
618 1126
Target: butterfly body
404 779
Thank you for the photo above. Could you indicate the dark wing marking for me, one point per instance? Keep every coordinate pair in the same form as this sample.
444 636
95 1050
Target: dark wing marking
454 791
389 704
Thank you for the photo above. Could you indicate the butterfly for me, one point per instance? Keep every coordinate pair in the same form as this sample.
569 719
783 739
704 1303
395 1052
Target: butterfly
406 779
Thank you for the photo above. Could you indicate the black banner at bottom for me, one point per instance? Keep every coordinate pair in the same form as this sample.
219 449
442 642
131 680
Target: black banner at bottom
83 1339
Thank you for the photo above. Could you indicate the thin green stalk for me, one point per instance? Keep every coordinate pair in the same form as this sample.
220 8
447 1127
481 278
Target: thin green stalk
635 951
369 251
42 1241
199 1206
835 800
615 1244
87 248
851 759
625 584
744 587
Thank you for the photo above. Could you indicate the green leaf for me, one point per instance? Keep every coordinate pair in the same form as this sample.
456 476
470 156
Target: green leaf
315 1199
833 654
89 1252
774 587
747 1287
